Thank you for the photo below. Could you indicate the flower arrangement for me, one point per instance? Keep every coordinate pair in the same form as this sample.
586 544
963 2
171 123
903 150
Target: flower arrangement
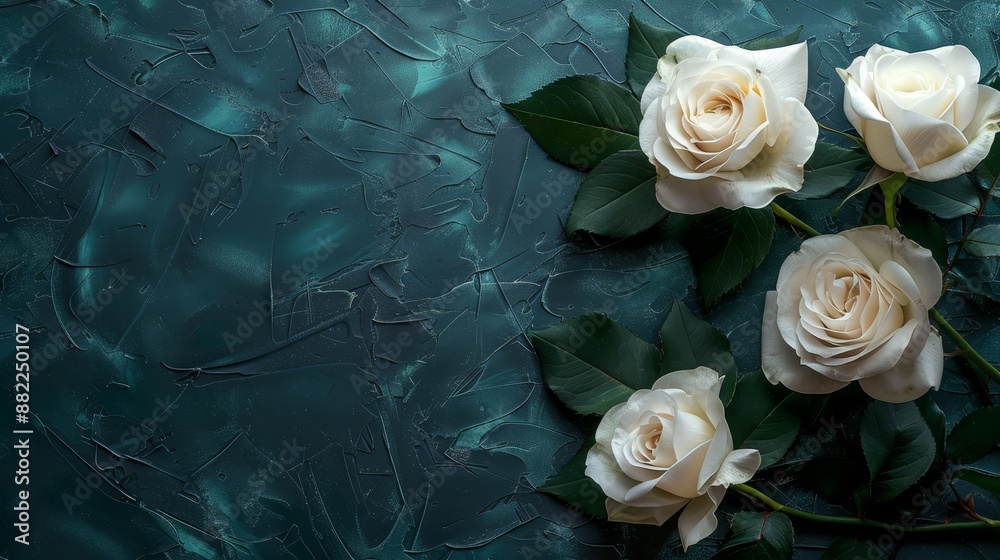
715 138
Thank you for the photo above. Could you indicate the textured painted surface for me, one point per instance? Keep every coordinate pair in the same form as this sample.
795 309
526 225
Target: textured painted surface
280 261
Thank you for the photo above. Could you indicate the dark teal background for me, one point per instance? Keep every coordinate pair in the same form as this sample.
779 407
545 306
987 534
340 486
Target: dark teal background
279 261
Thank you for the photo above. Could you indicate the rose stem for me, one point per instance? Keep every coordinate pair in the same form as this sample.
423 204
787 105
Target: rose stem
968 352
857 521
965 235
791 219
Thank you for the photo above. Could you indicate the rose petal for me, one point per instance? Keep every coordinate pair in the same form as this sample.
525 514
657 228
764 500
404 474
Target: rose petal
654 89
908 382
986 122
622 513
685 196
777 169
689 46
698 520
609 423
927 139
812 248
739 467
881 244
690 380
960 62
787 68
602 468
780 363
884 145
648 131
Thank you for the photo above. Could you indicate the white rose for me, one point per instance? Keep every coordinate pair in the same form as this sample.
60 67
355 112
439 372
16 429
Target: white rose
666 448
922 114
853 307
726 127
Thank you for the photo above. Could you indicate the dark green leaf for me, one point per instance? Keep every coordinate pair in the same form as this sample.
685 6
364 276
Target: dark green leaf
618 198
922 228
977 280
689 342
875 175
773 42
580 120
766 417
843 548
899 447
759 536
984 241
974 436
947 199
572 485
726 246
935 419
834 477
830 169
593 363
986 480
646 44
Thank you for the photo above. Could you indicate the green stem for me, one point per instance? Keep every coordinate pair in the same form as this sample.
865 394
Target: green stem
890 214
968 352
890 187
857 521
972 226
792 219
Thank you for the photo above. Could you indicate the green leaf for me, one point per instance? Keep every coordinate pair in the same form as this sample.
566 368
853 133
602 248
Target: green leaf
986 480
924 229
580 120
975 279
984 241
773 42
689 342
766 417
834 477
947 199
726 246
593 363
618 198
843 548
759 536
935 419
830 169
899 447
572 485
875 175
646 44
974 436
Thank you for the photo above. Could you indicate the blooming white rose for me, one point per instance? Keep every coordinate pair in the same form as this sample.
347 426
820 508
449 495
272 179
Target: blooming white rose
726 127
922 114
666 448
853 307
